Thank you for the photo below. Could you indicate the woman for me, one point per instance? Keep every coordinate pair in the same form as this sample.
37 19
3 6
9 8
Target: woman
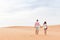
45 27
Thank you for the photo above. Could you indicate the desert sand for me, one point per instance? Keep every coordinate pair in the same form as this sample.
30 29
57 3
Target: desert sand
28 33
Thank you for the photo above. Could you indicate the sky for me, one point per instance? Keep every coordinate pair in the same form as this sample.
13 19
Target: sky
25 12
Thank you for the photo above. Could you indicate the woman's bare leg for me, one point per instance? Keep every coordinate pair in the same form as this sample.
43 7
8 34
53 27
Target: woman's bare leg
45 31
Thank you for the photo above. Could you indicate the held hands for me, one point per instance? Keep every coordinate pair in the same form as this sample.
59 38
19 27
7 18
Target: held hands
40 26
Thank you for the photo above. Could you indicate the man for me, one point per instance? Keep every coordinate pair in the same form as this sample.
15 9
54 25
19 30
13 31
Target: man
37 26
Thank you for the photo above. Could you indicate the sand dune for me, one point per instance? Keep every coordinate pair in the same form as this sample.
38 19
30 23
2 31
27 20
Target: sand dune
28 33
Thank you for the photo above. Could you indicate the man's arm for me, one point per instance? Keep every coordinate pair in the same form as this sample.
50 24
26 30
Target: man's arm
34 25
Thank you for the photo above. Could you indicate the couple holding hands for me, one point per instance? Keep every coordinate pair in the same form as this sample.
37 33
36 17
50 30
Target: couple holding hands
38 26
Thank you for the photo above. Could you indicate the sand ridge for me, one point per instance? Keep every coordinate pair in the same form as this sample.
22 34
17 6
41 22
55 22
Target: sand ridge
28 33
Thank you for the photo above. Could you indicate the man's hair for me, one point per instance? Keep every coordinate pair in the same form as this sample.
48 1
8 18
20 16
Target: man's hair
37 20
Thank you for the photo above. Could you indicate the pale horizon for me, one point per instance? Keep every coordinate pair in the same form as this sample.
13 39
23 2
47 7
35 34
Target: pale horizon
25 12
